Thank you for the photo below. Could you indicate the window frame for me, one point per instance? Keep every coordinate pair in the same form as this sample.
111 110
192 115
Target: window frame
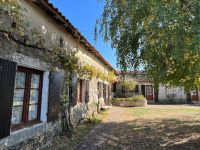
87 91
99 89
79 95
149 90
26 101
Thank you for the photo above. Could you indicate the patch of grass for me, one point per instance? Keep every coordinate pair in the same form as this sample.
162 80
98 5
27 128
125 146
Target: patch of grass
97 118
162 112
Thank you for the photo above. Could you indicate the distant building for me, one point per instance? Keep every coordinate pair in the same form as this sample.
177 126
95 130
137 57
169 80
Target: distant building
146 88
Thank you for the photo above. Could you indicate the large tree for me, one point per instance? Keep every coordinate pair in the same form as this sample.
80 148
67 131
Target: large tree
161 35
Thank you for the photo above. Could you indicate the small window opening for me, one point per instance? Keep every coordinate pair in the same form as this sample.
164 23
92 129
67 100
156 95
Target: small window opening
61 42
14 25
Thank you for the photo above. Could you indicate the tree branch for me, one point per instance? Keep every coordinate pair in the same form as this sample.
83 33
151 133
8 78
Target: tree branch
18 41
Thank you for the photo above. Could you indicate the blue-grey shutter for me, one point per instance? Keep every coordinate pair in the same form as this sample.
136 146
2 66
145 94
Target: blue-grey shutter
54 96
7 83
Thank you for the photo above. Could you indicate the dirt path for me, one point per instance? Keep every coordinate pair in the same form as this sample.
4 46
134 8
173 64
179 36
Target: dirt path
103 136
152 128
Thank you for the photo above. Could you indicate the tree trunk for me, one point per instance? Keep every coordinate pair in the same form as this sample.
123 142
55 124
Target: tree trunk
189 100
198 96
156 90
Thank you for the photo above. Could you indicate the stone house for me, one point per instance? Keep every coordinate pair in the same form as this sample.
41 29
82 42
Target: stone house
30 90
145 87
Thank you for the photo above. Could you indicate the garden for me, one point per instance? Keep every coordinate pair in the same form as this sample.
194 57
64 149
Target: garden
128 98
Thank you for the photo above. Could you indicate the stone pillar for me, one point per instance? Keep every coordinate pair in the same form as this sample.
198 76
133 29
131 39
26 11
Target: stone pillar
153 92
139 86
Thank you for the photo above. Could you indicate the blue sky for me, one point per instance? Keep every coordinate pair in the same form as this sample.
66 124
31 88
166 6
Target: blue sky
83 14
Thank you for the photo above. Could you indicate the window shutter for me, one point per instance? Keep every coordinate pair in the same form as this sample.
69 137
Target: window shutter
156 90
7 83
87 91
99 89
75 93
71 94
54 96
109 92
104 91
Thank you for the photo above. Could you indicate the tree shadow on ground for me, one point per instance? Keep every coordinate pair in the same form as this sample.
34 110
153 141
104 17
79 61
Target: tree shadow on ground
143 134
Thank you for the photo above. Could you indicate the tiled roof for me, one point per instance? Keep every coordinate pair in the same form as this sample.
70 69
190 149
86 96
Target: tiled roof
139 76
130 72
61 19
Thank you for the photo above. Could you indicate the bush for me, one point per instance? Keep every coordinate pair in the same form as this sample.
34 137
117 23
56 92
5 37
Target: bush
128 85
134 98
135 101
124 95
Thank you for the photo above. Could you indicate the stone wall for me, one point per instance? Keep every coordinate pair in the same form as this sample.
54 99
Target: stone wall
171 95
37 59
30 58
49 28
53 31
41 134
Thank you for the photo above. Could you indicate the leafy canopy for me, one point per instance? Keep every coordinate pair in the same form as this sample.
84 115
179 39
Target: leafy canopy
129 85
161 35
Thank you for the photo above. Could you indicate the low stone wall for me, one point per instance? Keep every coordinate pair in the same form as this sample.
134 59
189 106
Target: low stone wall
82 111
138 103
31 138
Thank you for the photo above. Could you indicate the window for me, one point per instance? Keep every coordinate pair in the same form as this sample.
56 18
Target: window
114 89
136 89
87 88
100 89
27 96
79 91
14 25
70 93
61 42
82 91
149 90
104 91
193 93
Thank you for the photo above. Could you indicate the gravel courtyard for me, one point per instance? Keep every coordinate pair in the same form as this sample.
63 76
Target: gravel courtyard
156 127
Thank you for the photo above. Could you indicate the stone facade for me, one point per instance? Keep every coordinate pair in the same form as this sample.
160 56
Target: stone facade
172 95
43 132
165 94
143 87
34 58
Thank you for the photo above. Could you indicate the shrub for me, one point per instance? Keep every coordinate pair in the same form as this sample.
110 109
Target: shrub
134 98
128 85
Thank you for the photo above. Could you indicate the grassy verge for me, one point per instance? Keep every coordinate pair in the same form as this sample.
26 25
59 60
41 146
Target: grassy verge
163 112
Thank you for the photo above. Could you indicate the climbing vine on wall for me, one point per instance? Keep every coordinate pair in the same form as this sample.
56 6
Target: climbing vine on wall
13 26
13 23
89 71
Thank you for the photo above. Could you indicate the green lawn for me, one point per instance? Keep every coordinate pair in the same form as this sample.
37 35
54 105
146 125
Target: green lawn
165 112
